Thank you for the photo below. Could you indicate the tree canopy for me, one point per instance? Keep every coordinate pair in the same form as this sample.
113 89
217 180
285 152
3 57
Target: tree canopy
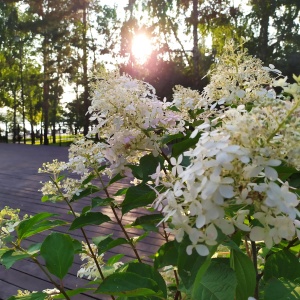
46 45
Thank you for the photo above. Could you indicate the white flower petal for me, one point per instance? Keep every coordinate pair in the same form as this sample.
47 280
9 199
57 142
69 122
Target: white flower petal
271 173
257 234
200 221
189 249
226 191
202 250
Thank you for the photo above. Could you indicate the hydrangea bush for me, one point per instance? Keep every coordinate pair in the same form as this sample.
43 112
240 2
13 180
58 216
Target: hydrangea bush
218 174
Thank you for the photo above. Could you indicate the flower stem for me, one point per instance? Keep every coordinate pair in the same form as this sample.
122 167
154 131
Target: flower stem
178 293
85 237
254 259
119 220
60 288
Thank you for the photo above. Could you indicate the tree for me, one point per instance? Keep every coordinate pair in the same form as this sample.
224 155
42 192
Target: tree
93 33
273 31
49 23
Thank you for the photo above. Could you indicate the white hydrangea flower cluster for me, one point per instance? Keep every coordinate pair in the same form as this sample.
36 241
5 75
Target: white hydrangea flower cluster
9 220
89 269
51 293
237 79
223 175
130 118
276 129
231 182
85 155
61 187
53 168
187 100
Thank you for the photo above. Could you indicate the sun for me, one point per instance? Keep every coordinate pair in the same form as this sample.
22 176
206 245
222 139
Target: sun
141 47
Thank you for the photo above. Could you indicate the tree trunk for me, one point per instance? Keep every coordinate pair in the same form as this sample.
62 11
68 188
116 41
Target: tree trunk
196 54
85 77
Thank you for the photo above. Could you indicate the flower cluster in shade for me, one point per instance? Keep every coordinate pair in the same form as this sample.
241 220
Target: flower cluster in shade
231 182
9 220
51 293
89 268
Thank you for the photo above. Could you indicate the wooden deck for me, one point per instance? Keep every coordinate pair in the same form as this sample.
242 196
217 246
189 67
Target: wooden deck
19 185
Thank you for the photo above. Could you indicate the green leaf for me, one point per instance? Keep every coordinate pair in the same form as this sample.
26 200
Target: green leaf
166 255
218 283
189 265
99 239
34 249
89 179
282 289
77 246
284 172
181 147
138 238
12 256
112 260
148 222
169 138
58 253
91 189
137 196
3 250
97 201
116 178
85 209
109 243
128 284
52 198
121 192
72 293
33 296
294 181
148 271
147 167
37 224
282 264
90 218
245 274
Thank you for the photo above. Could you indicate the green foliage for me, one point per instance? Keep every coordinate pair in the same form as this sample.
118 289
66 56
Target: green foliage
146 167
91 189
137 196
282 264
89 218
11 256
129 284
36 224
217 283
34 296
147 222
282 289
166 255
58 253
245 274
105 243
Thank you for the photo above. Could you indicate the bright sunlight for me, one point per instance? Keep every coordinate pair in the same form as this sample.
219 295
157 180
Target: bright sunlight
141 48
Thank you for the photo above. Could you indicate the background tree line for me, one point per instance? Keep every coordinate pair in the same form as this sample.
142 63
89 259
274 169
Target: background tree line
46 45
